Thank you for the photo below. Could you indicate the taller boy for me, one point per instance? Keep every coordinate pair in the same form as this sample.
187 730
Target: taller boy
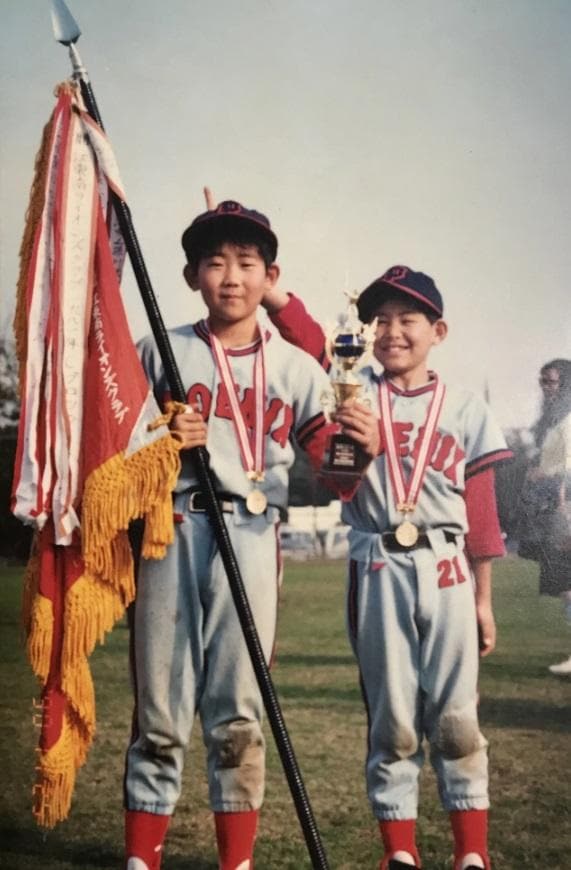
248 393
423 525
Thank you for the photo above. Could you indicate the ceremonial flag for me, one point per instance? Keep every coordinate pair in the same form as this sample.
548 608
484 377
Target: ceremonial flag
92 453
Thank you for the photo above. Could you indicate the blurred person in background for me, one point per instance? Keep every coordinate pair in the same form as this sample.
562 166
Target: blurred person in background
546 501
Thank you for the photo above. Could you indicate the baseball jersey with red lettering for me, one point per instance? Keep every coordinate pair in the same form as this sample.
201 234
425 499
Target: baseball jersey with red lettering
294 386
467 440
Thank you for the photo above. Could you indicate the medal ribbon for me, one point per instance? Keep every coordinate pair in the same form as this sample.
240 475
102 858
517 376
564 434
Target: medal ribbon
408 496
251 447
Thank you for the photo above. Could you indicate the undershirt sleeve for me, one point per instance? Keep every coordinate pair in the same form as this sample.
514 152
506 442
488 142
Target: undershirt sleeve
484 537
297 326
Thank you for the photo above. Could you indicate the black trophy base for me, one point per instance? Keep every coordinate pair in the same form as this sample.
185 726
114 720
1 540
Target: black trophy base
345 457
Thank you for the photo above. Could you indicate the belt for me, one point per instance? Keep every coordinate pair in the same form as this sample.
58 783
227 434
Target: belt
197 501
391 544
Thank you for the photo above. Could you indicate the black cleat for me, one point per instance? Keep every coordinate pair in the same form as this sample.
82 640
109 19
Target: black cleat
399 865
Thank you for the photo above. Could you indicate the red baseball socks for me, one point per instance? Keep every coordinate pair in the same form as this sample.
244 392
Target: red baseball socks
470 829
398 836
236 835
144 836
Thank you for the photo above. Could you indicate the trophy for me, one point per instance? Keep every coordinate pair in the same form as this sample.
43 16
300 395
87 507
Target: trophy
348 347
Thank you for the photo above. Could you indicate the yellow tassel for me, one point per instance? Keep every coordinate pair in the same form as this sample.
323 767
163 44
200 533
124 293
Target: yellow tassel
77 685
91 609
159 531
56 772
171 409
121 490
39 643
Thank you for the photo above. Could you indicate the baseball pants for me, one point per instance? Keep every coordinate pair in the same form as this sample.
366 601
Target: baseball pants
412 624
191 657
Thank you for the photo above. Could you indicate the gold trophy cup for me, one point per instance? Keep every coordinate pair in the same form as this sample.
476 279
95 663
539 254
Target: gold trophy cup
348 346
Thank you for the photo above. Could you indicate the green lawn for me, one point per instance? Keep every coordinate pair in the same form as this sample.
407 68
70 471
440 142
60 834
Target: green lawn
525 714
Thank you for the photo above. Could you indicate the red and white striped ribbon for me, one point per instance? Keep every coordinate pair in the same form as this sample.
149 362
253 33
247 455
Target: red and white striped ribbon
251 447
407 497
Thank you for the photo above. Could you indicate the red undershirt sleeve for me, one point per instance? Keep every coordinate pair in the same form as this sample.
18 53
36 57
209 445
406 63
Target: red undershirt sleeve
297 326
484 537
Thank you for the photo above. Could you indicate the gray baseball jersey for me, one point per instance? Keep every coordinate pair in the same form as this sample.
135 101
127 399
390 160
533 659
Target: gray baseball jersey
467 440
295 384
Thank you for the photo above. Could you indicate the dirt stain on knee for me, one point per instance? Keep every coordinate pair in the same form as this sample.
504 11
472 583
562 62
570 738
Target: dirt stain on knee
404 742
458 734
242 744
241 750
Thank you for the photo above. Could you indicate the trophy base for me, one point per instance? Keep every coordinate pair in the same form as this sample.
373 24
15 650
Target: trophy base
345 457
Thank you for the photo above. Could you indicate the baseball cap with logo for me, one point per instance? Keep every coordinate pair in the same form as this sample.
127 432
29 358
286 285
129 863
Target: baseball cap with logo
228 215
397 280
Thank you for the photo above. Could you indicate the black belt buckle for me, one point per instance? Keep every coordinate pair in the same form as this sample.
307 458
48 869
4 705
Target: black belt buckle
391 544
197 502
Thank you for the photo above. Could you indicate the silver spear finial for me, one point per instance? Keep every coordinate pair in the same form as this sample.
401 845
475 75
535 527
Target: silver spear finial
66 30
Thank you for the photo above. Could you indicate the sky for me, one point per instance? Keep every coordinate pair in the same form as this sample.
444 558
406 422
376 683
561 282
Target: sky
371 132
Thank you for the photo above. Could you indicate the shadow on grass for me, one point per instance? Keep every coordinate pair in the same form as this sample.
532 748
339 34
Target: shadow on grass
29 847
22 845
524 713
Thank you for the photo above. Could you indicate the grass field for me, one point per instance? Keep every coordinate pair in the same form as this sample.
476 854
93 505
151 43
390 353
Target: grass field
525 714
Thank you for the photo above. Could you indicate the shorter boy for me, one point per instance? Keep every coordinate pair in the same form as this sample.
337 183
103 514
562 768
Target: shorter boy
424 530
248 393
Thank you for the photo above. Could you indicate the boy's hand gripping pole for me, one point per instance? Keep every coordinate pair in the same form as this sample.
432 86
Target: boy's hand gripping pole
67 32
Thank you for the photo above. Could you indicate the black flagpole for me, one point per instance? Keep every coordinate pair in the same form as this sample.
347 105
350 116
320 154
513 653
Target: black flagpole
67 32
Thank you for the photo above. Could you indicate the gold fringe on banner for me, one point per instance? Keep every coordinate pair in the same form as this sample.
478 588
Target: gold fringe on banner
39 645
119 491
123 489
55 775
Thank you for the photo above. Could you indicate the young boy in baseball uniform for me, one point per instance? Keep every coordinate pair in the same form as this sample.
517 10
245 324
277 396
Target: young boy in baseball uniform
424 531
248 393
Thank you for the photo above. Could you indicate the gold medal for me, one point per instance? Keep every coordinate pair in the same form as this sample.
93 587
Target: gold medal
252 448
406 534
407 495
256 501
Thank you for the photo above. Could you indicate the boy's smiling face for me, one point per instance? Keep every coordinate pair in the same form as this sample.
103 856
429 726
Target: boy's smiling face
232 279
403 341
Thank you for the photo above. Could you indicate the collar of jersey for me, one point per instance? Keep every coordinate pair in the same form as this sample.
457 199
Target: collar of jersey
202 331
428 387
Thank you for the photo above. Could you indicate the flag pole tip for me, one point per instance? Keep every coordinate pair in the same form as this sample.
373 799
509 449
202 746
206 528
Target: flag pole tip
65 27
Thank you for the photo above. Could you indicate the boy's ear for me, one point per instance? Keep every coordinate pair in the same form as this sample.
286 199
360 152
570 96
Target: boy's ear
190 277
440 331
272 276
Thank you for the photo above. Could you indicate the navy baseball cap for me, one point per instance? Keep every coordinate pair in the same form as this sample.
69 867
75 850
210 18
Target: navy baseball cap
400 279
230 215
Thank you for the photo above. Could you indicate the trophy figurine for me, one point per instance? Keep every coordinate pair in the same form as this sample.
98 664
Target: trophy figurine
348 347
